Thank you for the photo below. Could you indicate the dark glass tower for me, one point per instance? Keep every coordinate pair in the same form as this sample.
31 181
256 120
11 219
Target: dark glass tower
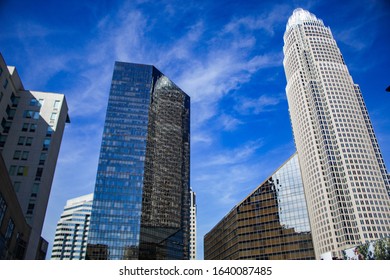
141 205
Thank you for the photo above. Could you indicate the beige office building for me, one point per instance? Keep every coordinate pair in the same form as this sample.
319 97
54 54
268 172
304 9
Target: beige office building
32 125
343 172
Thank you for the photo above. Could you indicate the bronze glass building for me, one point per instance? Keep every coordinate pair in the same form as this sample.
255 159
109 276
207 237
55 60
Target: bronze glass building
270 224
141 205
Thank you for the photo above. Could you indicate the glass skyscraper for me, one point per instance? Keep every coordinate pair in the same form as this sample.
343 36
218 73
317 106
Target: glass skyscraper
141 204
345 179
272 223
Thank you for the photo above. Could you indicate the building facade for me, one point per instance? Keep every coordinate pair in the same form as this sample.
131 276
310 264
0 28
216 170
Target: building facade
70 241
193 226
32 125
270 224
141 207
345 179
14 230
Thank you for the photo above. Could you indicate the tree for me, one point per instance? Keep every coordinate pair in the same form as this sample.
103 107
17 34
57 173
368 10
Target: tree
382 249
364 251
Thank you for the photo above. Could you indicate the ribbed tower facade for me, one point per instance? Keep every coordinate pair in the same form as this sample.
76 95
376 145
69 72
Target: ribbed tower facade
70 242
141 206
344 176
193 212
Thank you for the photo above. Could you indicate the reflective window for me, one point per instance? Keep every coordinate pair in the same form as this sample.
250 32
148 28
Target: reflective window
3 208
128 166
271 223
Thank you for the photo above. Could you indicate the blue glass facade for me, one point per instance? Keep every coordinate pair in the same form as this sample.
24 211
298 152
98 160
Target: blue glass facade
141 207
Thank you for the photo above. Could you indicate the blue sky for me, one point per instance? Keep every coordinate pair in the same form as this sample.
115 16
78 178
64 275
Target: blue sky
227 55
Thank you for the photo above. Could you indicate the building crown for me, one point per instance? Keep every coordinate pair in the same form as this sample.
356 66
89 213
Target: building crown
299 16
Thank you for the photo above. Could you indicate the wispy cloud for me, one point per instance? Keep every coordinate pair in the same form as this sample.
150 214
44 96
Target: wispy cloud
222 67
238 155
201 138
258 105
366 23
228 122
224 71
208 60
265 21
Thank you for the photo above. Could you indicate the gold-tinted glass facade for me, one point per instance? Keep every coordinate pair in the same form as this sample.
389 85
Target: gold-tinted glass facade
270 224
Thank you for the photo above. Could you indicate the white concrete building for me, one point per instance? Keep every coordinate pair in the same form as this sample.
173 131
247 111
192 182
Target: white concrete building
32 125
345 179
193 226
70 242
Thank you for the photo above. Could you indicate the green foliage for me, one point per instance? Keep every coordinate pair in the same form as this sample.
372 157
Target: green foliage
382 249
378 250
364 251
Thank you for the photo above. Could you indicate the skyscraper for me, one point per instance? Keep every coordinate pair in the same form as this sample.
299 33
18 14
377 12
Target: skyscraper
344 175
271 223
141 207
32 125
14 230
193 212
70 242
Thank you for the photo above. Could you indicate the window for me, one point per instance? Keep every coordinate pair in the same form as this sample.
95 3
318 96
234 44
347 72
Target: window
11 114
5 84
49 131
22 171
53 116
25 127
21 140
33 127
3 138
3 208
10 230
42 158
57 104
6 125
46 144
25 155
38 175
29 141
35 102
35 190
17 154
30 114
30 208
14 100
